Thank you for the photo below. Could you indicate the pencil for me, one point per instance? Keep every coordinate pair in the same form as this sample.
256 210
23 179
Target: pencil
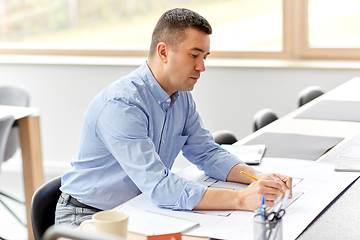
255 179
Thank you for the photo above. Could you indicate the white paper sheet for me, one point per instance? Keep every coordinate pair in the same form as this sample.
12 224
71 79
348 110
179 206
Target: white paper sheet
319 183
150 223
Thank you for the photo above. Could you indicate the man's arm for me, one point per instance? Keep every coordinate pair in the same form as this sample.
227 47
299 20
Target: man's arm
268 185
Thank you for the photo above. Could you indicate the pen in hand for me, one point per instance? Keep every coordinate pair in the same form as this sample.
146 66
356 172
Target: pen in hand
255 179
262 208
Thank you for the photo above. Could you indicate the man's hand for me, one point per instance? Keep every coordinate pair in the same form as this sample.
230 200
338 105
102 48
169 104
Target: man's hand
285 181
249 199
269 185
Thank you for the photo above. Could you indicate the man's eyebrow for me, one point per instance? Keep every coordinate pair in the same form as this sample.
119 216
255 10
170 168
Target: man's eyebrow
200 50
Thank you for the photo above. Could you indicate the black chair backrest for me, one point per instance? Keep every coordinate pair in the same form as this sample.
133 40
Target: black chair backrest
224 137
308 94
263 117
43 206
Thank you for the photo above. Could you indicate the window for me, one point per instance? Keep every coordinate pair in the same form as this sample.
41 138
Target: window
329 29
337 27
241 28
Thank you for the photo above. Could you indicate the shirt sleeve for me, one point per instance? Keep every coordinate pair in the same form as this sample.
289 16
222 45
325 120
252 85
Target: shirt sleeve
123 128
201 149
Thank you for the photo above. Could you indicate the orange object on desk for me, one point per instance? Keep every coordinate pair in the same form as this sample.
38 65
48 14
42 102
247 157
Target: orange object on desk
171 236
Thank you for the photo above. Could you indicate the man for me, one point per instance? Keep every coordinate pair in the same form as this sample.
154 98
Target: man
134 129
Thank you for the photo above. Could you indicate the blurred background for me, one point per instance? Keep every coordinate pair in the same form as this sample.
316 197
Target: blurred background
264 52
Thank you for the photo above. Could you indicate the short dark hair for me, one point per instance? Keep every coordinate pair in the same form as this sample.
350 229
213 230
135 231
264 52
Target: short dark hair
171 25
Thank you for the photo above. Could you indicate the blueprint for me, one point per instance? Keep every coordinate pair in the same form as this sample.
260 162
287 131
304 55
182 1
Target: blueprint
316 184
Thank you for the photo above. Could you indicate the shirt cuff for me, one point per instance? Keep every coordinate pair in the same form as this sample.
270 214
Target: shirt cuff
190 196
221 169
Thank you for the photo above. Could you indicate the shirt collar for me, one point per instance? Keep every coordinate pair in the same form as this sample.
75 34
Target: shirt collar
156 90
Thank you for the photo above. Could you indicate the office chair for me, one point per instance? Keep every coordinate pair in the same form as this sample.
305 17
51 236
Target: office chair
56 232
5 128
43 205
308 94
224 137
13 96
263 117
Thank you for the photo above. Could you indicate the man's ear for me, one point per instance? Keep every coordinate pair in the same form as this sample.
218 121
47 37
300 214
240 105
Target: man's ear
162 51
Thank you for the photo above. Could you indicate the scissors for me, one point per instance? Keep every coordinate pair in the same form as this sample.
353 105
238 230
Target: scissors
275 216
272 220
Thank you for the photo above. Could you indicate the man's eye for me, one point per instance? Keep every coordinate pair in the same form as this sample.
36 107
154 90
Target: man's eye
194 55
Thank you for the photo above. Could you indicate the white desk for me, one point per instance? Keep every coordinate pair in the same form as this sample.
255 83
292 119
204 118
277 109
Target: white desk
331 221
349 91
30 141
340 220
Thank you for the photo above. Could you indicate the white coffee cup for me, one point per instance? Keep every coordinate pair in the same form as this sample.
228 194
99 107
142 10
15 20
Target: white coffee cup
110 221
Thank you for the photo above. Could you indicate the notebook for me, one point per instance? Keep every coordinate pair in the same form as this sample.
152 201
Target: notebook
250 154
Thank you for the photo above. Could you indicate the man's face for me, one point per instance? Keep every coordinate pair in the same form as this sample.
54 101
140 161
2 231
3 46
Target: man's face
186 62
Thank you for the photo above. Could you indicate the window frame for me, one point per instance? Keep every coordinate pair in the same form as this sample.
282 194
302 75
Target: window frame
295 43
285 53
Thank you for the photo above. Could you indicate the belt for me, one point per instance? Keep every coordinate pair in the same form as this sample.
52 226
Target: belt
75 202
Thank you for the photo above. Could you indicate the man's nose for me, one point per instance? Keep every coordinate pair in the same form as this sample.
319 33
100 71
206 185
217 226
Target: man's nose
200 66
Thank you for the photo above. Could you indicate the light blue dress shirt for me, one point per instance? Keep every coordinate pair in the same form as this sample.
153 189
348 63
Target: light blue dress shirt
131 135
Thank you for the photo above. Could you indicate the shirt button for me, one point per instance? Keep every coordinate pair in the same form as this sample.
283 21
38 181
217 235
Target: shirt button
163 141
159 102
168 100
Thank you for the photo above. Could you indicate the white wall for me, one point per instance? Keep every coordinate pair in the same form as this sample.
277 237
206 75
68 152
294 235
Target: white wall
227 98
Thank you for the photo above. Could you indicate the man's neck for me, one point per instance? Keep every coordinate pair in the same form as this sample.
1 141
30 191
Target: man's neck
156 70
